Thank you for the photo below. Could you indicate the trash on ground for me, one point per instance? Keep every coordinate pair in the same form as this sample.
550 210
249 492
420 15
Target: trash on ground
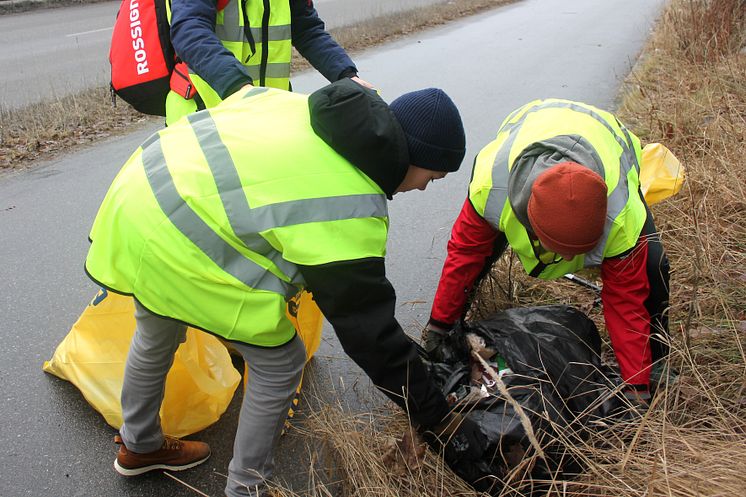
532 379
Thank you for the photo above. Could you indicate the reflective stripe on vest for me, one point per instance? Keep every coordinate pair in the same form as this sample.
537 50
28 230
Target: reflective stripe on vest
498 194
267 61
234 32
202 226
276 61
248 222
197 231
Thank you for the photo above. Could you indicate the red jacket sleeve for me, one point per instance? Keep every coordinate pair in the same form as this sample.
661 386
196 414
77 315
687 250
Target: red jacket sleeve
469 250
625 289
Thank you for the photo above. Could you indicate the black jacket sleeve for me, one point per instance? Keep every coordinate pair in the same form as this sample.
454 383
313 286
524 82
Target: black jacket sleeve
316 45
359 301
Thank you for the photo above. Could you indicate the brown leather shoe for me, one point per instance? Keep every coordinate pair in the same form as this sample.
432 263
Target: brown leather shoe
174 455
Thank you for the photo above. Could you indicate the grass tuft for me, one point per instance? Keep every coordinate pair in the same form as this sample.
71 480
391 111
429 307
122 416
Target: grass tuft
688 92
40 130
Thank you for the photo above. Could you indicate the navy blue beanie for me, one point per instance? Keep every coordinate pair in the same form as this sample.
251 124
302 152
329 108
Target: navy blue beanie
433 127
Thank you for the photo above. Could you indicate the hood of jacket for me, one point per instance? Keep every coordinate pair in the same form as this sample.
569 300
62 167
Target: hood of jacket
358 125
540 156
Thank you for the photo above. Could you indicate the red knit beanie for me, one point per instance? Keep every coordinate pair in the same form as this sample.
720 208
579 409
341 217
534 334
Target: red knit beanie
567 208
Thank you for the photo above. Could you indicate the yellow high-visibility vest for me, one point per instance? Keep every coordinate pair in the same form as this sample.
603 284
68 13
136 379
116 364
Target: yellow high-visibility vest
267 60
611 144
208 220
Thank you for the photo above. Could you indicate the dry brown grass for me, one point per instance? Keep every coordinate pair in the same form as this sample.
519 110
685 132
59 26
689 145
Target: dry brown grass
355 450
40 130
688 92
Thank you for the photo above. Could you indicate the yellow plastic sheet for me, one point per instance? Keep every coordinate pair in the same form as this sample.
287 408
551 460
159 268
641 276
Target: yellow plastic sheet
308 321
199 386
661 173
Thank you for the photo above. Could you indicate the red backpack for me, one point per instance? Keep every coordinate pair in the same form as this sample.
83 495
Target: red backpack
144 66
141 56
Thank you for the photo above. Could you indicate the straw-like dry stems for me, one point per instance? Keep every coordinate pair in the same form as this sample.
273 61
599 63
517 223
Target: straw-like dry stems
688 92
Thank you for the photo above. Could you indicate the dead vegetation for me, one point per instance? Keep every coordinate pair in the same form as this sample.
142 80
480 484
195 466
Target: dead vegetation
40 130
688 92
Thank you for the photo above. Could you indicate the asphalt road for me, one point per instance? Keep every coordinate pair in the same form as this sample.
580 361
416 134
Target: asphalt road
53 53
54 444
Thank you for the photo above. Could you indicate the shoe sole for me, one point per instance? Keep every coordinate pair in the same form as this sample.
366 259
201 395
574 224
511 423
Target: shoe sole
144 469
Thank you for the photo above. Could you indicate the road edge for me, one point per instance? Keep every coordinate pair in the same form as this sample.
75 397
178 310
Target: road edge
18 6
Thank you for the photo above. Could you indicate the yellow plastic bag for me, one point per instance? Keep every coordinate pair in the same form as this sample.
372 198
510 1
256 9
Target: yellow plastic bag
199 386
308 321
661 173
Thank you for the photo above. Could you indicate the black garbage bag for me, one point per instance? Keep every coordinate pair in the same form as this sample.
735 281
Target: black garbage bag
552 370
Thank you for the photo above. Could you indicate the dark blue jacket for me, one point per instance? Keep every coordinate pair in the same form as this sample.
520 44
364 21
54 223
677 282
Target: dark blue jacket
195 42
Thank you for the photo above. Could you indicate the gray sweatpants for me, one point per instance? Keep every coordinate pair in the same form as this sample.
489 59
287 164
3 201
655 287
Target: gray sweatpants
274 375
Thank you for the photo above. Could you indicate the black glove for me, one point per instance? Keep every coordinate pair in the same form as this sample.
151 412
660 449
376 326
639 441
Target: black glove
444 345
432 339
460 438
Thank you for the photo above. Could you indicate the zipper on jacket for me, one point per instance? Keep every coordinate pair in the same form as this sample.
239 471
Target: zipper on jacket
265 44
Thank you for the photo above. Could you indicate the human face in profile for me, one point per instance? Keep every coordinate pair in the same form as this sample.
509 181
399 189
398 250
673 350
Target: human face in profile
417 178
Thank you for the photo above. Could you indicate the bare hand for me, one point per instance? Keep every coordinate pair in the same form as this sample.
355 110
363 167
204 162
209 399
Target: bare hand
362 82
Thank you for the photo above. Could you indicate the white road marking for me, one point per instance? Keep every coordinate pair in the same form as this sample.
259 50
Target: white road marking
89 32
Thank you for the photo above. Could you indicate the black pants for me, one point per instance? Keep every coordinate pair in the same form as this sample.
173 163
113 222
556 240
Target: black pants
658 278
